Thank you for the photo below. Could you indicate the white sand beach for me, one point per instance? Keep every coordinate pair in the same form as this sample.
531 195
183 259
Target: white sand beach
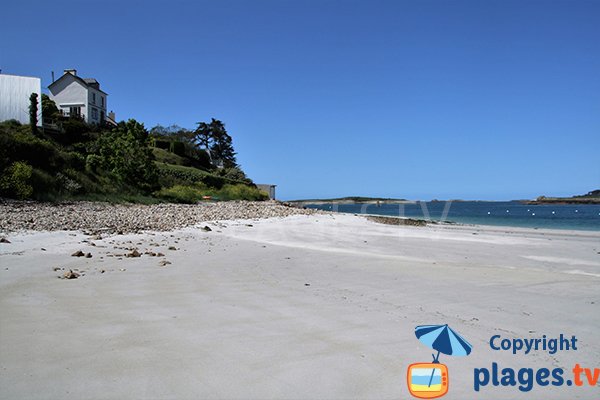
307 306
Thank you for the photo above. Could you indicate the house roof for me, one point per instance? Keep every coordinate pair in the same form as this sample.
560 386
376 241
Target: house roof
110 120
87 82
92 82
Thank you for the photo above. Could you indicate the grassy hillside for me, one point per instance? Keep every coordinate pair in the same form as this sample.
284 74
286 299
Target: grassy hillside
118 164
165 156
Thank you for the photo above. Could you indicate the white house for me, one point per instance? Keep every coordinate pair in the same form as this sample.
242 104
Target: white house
75 96
14 97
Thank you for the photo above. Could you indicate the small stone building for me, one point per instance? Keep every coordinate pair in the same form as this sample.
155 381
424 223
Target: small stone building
269 189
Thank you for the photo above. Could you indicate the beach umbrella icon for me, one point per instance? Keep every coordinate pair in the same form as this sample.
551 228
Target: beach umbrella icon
443 339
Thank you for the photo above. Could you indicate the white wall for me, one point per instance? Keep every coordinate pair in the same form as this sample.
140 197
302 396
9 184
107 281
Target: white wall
97 104
270 189
69 92
14 97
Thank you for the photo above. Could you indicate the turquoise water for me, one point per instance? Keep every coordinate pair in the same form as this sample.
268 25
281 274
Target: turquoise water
505 213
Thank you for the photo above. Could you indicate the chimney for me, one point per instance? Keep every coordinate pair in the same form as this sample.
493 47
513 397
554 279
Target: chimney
71 71
112 115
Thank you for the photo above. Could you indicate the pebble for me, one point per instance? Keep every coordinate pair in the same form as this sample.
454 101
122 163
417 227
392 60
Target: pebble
134 253
70 275
105 218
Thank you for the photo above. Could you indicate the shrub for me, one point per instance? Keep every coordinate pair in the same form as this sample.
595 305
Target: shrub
44 185
125 155
162 144
241 191
75 128
67 184
92 162
180 194
16 180
166 157
177 147
199 157
170 175
49 110
74 159
87 182
194 193
39 153
234 174
9 124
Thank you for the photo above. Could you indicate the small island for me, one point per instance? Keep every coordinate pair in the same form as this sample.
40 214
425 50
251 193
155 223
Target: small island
592 197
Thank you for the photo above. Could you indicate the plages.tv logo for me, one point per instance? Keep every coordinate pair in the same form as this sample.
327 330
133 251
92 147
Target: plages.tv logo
431 380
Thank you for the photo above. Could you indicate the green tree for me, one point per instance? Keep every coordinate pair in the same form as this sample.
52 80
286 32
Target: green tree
203 135
16 181
213 137
33 112
175 132
125 154
234 173
222 150
49 109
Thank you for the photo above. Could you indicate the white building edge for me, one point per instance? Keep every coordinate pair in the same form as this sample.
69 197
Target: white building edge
15 91
268 188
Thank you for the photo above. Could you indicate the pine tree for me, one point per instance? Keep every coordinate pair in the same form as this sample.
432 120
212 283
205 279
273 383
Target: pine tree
213 137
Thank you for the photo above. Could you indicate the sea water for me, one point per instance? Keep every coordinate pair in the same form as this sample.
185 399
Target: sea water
500 213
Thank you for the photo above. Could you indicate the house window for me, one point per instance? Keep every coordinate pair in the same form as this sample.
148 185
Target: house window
102 100
94 98
94 113
75 111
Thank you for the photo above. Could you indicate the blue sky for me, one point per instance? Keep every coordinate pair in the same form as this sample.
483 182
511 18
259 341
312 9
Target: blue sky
413 99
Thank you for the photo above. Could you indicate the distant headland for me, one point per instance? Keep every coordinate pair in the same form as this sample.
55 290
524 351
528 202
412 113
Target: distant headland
352 199
592 197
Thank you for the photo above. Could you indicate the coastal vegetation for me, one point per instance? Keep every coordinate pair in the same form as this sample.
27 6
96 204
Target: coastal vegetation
592 197
126 162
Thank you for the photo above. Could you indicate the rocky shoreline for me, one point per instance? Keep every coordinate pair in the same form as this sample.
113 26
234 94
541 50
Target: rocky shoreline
95 217
562 200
